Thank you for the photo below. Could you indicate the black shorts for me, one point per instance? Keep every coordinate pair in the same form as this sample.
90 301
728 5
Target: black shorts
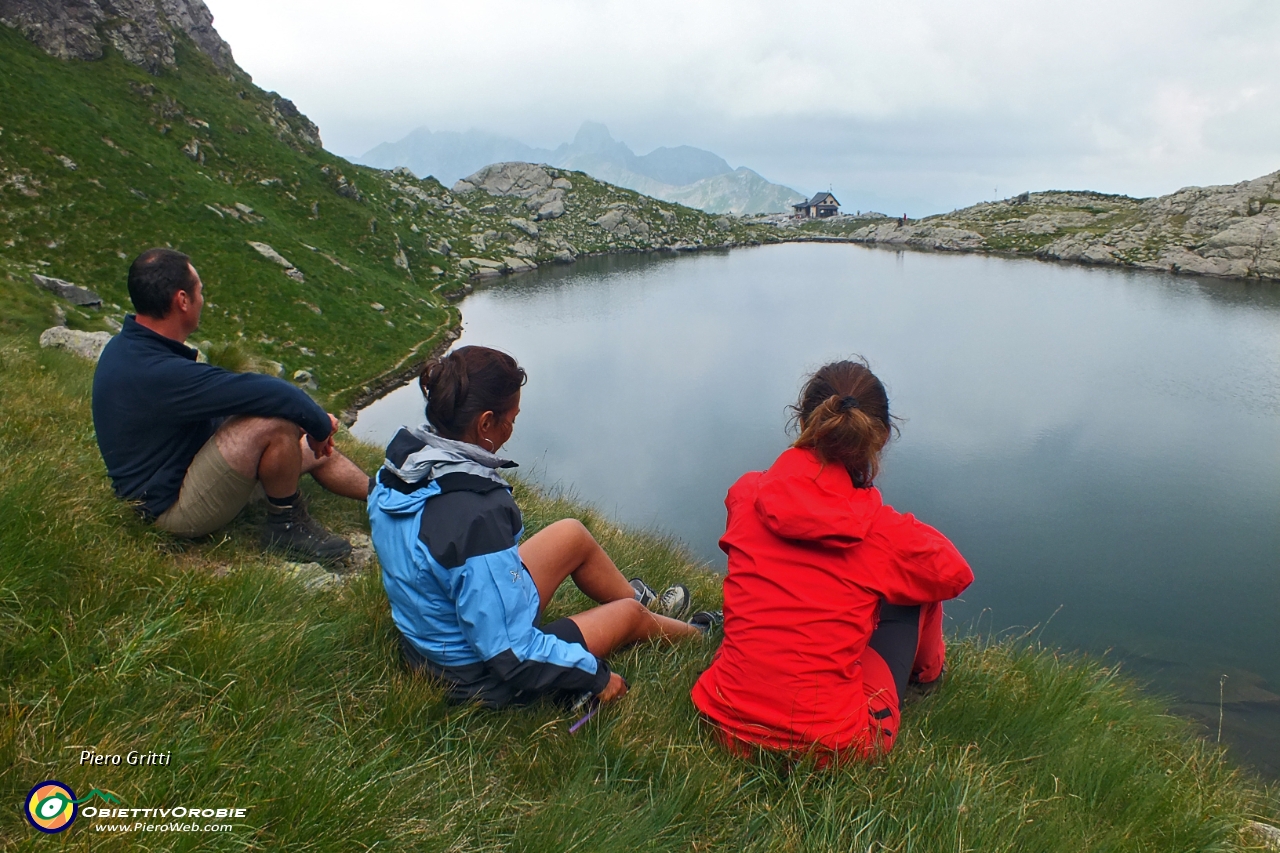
565 629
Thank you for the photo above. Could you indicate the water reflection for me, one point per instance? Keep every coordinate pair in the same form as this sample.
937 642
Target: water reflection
1102 445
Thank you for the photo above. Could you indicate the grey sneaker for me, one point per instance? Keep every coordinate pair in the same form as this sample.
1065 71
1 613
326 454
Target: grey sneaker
291 529
707 621
673 602
644 593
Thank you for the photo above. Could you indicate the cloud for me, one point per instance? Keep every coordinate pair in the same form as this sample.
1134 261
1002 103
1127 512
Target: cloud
926 103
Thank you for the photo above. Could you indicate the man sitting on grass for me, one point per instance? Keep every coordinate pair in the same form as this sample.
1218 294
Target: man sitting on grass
191 442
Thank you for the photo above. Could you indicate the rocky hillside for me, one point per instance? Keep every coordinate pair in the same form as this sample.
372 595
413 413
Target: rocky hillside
127 124
1229 231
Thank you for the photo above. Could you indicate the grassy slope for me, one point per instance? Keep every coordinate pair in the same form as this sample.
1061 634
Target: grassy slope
133 187
117 637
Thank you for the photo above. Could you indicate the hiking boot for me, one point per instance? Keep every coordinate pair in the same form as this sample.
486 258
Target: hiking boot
917 690
673 602
291 529
707 621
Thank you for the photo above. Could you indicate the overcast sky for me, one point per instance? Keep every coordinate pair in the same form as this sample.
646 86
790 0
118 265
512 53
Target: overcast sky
917 106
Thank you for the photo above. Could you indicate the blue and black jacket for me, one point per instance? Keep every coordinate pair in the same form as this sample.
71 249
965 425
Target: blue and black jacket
446 528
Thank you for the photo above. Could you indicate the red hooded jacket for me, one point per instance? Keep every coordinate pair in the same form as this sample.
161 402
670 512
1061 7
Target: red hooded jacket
810 559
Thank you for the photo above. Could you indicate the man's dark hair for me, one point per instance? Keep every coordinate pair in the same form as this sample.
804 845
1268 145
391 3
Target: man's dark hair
155 276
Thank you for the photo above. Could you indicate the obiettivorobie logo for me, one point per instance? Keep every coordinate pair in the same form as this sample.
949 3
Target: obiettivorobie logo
52 806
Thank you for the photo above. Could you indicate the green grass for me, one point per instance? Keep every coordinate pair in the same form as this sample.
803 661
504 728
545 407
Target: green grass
118 637
134 187
115 636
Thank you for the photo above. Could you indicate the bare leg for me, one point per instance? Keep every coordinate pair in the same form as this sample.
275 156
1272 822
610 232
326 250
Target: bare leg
619 623
567 549
275 452
263 449
335 473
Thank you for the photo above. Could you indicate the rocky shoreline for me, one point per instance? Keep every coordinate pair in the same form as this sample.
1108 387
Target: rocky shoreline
1225 231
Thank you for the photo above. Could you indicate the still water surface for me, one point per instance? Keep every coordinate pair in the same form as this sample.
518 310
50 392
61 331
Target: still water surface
1103 446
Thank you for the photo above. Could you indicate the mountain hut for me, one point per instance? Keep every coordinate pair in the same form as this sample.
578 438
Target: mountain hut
820 206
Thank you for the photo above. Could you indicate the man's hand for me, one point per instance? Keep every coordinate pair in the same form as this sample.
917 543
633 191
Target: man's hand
324 448
615 689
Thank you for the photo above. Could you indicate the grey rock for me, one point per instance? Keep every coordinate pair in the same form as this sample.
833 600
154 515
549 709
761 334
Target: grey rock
313 576
275 257
484 263
362 552
303 127
522 180
621 222
84 344
348 190
519 264
525 225
1268 835
74 294
551 209
145 32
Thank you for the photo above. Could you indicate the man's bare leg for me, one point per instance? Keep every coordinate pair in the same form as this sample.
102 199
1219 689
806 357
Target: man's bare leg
263 449
271 451
275 452
335 472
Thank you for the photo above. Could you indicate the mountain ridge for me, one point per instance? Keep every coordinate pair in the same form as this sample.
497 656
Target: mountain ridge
684 174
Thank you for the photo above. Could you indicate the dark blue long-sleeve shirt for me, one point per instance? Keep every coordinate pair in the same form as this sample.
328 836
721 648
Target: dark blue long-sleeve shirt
154 407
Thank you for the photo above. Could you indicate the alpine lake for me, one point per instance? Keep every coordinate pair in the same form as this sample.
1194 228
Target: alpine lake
1102 445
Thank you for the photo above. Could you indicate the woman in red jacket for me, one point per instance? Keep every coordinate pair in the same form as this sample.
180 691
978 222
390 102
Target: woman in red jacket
833 599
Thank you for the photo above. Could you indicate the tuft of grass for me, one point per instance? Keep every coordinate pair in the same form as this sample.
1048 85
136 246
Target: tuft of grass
116 637
233 356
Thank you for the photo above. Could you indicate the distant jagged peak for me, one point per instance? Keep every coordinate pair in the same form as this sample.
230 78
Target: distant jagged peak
593 135
144 31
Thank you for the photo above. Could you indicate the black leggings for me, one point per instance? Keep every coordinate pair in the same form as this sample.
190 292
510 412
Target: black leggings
895 640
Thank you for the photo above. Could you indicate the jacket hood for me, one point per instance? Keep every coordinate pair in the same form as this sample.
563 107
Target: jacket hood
397 503
800 498
417 455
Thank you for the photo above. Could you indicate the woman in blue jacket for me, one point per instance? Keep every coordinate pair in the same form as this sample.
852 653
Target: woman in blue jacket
465 597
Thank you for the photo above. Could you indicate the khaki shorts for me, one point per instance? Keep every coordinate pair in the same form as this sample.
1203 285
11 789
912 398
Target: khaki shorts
212 494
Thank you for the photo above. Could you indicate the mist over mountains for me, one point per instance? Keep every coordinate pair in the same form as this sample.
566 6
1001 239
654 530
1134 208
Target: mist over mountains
684 174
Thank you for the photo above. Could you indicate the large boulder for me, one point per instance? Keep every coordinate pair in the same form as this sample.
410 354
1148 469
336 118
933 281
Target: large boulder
523 180
84 344
74 294
275 257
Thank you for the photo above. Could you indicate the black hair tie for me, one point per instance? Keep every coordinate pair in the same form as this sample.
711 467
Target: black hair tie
847 403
